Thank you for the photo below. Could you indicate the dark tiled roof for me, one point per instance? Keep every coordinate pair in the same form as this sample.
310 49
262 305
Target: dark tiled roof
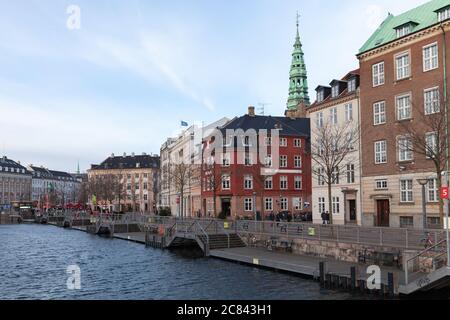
128 162
40 172
6 165
299 127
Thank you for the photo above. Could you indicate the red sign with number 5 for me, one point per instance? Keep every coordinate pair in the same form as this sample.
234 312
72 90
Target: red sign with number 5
444 193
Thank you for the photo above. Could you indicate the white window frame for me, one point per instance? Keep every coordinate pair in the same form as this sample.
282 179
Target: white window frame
402 65
298 183
378 74
248 182
319 120
297 161
403 30
336 205
268 183
430 62
432 191
381 184
404 111
283 161
284 204
379 113
406 191
284 182
333 116
405 149
350 173
444 14
297 203
248 205
268 204
335 91
380 148
432 100
297 143
433 144
226 182
348 112
283 142
321 204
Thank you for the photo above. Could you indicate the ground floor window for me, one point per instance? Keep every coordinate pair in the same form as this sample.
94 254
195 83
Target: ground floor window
297 204
284 204
433 223
406 222
268 204
432 190
321 202
336 205
406 191
248 204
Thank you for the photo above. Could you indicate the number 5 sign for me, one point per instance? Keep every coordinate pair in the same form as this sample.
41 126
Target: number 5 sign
444 193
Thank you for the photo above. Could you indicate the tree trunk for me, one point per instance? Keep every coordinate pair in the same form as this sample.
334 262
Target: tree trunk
441 201
330 205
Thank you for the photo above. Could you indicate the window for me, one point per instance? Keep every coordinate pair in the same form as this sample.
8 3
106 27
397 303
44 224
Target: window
431 145
283 162
248 182
335 176
226 182
268 141
284 205
297 203
405 147
351 85
348 112
444 14
432 191
379 113
283 183
247 142
381 184
248 204
432 103
226 160
298 143
268 204
268 161
268 183
403 30
319 120
350 173
320 96
378 74
297 161
406 191
333 116
434 223
145 197
321 202
321 176
335 91
406 222
404 107
430 57
336 205
380 152
248 159
283 142
402 65
298 183
145 186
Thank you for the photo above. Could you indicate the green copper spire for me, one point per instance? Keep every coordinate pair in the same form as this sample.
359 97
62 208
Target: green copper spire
298 79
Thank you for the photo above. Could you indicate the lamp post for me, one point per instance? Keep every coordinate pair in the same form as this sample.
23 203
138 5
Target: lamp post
254 206
423 183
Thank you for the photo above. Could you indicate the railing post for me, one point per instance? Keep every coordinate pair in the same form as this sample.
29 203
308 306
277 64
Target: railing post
406 239
381 236
357 236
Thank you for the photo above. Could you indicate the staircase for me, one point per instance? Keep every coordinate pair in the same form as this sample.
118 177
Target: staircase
222 241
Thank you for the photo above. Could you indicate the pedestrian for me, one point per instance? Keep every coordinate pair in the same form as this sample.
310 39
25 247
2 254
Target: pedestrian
324 219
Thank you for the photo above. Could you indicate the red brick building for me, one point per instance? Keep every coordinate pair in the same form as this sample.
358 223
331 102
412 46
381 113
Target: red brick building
257 164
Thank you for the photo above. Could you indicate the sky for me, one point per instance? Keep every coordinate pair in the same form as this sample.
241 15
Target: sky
133 70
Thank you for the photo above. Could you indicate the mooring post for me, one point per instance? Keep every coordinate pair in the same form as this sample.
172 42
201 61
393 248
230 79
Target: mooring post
322 273
353 278
391 284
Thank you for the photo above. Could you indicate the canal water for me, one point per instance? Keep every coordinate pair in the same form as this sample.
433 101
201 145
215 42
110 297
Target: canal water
34 261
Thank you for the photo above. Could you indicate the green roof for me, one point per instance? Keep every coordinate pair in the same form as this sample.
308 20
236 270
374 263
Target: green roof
421 18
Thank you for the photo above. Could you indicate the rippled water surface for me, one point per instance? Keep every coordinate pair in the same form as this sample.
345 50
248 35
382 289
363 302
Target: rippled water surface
34 258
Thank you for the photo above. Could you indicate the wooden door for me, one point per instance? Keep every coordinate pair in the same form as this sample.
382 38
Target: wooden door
383 212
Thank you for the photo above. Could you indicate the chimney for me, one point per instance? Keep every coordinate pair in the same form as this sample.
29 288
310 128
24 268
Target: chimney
251 111
112 155
144 154
124 154
132 154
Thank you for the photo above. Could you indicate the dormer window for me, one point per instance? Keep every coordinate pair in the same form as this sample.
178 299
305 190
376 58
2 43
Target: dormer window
320 96
444 14
351 85
335 91
403 30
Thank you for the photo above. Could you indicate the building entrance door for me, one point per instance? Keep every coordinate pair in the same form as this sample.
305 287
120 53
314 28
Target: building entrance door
226 207
383 212
352 210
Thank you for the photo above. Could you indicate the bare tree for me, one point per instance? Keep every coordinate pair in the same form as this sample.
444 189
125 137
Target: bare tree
426 136
181 174
333 150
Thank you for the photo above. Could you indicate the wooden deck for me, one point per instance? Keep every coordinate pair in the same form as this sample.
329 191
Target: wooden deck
301 265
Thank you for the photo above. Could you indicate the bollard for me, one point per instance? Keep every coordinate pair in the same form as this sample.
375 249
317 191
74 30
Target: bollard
322 273
391 284
353 278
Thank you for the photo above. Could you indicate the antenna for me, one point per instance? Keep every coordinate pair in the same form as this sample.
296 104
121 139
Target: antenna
262 107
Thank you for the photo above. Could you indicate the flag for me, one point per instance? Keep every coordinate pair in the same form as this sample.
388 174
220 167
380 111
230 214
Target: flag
184 124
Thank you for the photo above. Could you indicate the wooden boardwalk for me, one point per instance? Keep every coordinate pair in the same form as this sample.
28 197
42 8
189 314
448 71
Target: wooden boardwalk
138 237
301 265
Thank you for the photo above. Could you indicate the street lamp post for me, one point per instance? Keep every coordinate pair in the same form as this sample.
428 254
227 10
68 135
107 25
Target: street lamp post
254 206
423 183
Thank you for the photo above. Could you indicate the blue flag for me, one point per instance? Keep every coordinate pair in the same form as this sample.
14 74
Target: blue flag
184 124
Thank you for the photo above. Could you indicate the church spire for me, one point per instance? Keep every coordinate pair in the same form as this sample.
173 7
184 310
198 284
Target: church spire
298 79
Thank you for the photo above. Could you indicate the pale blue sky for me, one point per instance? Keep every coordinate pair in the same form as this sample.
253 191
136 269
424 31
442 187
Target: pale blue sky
123 82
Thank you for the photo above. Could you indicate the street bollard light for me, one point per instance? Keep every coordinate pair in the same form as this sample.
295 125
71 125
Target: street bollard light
423 183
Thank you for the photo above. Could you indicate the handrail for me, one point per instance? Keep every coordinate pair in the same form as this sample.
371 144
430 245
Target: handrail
418 256
207 238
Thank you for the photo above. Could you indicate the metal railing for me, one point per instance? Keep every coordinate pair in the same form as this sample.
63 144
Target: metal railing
420 263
